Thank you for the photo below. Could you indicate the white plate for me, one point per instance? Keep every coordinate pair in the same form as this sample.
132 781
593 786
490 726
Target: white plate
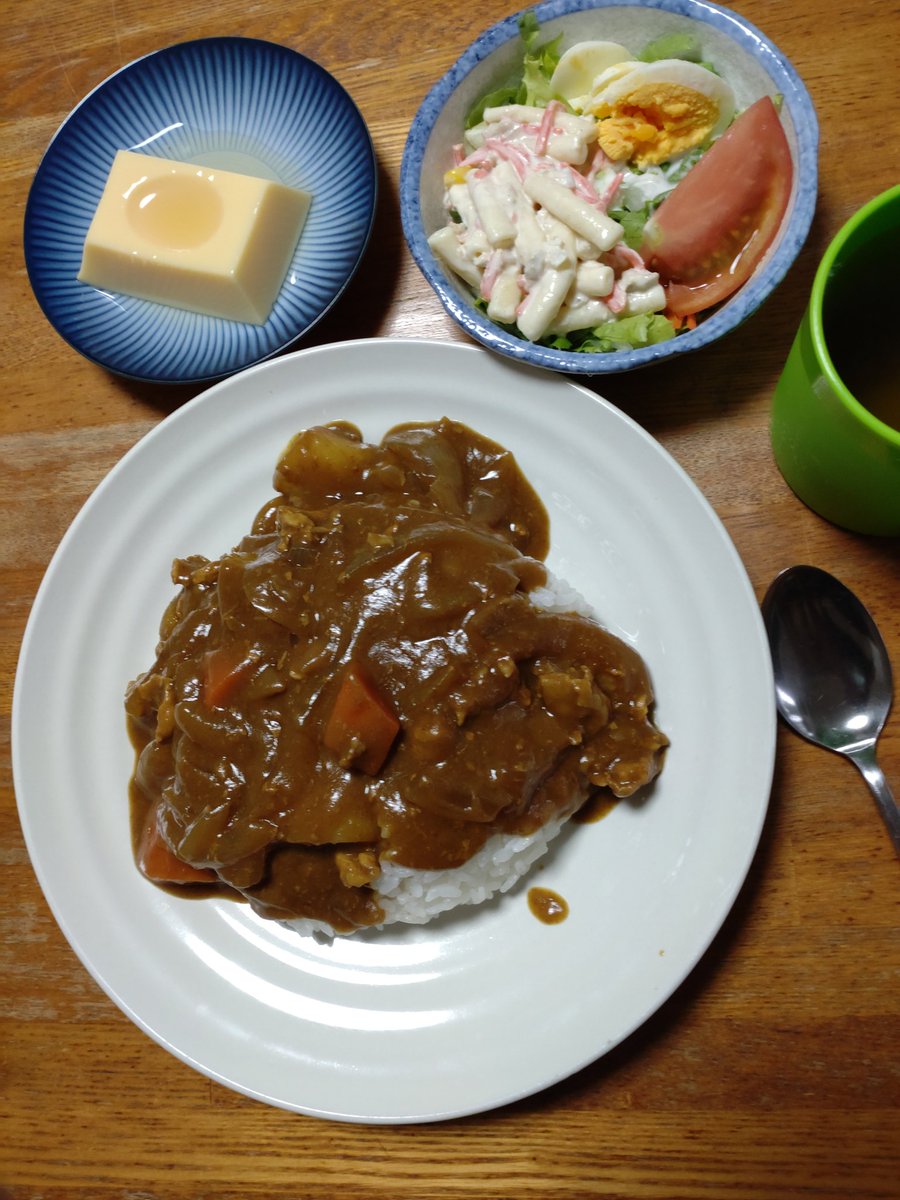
483 1006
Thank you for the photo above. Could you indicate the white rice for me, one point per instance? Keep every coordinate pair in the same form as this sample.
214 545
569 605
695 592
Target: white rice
558 596
415 897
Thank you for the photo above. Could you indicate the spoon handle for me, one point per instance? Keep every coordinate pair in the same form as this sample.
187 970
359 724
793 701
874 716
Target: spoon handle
864 758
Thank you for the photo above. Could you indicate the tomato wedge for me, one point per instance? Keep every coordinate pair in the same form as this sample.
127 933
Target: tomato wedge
709 233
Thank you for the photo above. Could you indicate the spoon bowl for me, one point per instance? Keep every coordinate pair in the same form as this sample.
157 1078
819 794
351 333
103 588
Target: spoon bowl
833 681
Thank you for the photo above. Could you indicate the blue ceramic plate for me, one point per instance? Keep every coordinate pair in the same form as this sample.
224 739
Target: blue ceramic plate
233 103
745 57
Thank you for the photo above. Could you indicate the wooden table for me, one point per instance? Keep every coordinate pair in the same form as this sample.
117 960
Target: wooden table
775 1070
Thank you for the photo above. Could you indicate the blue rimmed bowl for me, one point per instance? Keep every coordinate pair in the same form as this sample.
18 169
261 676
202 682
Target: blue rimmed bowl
234 103
752 64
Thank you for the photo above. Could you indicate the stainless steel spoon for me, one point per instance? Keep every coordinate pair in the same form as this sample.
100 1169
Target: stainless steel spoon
832 673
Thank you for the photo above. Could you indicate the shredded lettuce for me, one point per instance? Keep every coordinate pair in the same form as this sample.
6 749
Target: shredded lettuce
644 189
530 84
539 62
676 45
629 333
672 45
632 223
682 164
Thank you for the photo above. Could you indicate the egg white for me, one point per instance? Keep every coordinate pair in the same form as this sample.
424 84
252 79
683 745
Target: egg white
579 67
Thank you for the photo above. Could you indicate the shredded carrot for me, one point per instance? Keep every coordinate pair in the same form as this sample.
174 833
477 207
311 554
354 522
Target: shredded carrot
679 322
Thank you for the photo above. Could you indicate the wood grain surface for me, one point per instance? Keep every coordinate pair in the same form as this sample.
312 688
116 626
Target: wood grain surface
774 1071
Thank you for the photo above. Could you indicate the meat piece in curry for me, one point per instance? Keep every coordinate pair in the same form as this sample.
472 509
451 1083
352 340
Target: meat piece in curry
365 679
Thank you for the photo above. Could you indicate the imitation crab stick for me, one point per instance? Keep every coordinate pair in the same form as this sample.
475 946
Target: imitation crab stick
362 726
546 126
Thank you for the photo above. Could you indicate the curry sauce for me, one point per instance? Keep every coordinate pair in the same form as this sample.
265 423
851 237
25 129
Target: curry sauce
364 678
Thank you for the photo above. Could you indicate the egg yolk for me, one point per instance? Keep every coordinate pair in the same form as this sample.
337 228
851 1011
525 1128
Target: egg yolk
654 123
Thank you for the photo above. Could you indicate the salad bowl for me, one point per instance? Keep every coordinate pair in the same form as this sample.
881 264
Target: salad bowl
741 55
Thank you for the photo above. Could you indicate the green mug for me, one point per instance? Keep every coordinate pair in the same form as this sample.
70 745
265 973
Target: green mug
836 410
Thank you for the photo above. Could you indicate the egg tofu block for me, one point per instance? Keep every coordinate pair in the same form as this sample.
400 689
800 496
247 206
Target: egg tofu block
194 237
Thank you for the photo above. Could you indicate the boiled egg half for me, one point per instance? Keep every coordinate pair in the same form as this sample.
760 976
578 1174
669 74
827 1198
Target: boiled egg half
580 65
650 112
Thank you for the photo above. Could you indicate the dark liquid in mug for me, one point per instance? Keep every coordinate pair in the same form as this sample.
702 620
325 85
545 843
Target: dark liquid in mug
861 322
